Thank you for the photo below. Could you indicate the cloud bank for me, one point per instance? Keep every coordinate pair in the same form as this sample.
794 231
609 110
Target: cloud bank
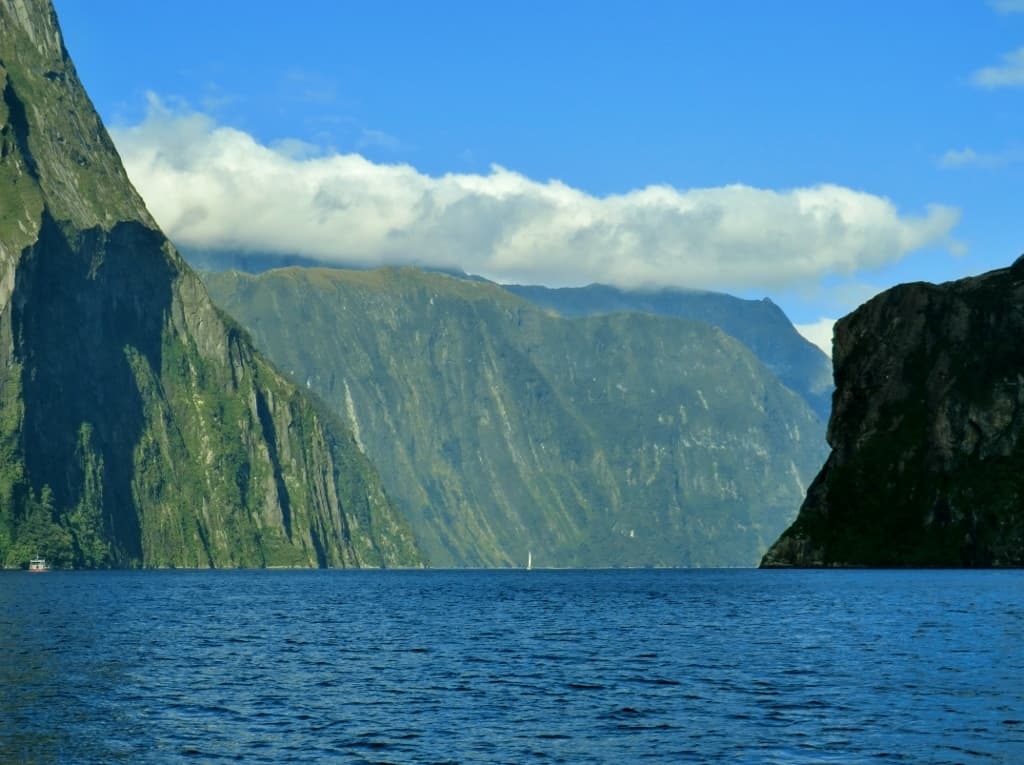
214 187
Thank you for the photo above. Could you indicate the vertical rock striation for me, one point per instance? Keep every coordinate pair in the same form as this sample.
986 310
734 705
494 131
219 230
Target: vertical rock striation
501 428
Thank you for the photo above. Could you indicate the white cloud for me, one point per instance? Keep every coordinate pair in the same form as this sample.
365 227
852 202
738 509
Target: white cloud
215 187
1010 73
1007 7
294 148
819 333
960 157
968 157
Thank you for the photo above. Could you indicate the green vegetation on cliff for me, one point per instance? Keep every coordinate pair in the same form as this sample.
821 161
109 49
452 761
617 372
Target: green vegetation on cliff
138 427
503 429
927 433
758 324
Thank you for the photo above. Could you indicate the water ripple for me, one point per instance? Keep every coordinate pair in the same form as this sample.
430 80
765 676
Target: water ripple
512 667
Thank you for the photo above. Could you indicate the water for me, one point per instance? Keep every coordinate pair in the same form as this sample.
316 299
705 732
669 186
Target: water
512 667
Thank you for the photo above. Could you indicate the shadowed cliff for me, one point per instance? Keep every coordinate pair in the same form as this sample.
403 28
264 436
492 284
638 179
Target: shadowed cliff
927 433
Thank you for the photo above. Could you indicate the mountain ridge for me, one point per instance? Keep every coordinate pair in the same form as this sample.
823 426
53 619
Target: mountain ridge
502 428
760 324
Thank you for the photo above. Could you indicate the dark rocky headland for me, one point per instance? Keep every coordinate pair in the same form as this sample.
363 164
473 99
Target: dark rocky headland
927 433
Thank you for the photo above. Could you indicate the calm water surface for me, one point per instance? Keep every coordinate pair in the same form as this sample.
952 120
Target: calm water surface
512 667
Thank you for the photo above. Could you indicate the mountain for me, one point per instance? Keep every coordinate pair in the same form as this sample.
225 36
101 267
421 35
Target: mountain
138 426
759 324
202 259
502 429
927 433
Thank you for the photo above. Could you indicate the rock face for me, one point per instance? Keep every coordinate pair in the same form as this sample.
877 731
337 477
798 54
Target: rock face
502 429
138 427
927 433
759 324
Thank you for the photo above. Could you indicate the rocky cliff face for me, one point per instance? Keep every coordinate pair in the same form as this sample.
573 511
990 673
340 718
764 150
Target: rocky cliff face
759 324
137 424
501 428
927 433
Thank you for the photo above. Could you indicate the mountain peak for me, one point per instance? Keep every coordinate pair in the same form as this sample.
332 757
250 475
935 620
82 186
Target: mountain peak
57 152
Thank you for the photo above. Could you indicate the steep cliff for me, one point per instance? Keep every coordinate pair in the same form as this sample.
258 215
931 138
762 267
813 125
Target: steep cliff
501 428
138 427
758 324
927 433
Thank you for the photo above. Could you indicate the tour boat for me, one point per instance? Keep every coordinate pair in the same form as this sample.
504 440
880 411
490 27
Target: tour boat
38 565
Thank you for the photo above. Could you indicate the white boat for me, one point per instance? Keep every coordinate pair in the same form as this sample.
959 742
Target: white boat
38 565
529 561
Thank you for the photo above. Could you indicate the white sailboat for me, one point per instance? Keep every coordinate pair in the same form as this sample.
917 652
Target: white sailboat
529 561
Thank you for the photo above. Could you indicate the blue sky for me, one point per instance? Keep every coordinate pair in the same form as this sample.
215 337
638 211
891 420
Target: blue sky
812 152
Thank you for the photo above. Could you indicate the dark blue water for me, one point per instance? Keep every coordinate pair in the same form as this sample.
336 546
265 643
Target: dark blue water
512 667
